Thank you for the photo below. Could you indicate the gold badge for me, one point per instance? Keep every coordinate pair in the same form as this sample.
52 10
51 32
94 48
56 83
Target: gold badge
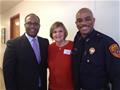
92 50
115 50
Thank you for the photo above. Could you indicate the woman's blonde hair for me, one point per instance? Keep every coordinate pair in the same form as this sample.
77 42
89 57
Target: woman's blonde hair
56 25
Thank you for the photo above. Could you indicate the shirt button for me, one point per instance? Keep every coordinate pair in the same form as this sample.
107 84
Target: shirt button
88 60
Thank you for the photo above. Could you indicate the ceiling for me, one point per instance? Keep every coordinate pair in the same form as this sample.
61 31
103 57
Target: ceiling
7 4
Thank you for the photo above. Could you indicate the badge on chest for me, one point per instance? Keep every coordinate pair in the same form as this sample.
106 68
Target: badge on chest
91 50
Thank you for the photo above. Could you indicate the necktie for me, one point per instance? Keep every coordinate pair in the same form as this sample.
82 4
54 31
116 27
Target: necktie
36 49
37 54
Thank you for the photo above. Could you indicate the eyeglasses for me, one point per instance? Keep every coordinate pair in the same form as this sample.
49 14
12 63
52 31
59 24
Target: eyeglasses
34 24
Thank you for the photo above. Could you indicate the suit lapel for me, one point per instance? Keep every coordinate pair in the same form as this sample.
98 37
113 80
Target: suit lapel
28 47
26 42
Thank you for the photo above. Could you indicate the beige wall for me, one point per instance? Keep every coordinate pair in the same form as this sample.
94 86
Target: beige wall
106 14
2 86
0 40
48 12
2 46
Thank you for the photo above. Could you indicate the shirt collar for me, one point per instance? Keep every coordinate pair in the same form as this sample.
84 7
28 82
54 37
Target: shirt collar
30 38
90 36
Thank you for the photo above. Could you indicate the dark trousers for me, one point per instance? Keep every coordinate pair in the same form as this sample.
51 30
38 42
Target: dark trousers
39 88
96 89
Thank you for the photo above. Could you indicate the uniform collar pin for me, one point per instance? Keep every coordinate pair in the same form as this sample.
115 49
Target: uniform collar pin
87 39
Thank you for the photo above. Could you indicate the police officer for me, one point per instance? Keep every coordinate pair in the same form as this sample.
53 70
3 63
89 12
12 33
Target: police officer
95 56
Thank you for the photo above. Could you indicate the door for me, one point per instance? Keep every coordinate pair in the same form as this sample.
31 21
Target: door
15 26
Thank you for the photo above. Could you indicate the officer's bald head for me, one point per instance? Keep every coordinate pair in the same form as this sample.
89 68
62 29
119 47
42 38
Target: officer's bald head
85 10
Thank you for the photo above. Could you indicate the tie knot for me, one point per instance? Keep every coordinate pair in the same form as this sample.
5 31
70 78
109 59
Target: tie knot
34 43
33 39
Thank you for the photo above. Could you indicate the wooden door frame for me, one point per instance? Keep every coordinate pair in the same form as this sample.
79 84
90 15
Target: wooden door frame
11 23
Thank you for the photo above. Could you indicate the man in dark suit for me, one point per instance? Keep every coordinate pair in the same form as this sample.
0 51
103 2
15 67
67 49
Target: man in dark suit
23 69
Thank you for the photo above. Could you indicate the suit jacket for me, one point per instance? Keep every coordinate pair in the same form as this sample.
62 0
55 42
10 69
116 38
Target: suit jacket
20 67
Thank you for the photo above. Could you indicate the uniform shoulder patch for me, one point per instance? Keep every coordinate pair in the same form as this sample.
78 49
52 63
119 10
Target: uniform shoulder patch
115 50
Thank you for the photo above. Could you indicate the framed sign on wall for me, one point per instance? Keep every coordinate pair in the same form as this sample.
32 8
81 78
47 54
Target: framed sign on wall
3 34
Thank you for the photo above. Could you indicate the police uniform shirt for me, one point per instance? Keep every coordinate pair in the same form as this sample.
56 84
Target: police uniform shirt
98 64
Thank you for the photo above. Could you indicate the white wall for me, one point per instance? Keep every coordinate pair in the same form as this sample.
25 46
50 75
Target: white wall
49 12
2 46
119 21
0 41
107 18
106 14
0 32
